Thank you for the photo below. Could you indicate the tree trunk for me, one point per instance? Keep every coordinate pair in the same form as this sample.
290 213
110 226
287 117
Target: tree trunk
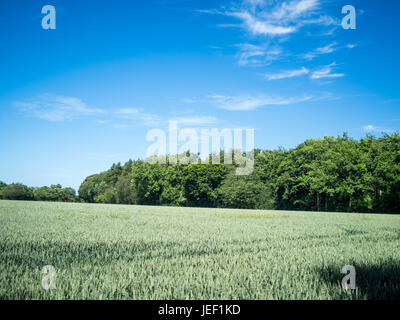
326 202
350 203
318 202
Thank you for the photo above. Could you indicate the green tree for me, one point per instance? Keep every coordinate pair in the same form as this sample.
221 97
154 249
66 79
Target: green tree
2 187
85 189
387 174
331 174
54 193
147 182
17 191
125 194
201 183
245 192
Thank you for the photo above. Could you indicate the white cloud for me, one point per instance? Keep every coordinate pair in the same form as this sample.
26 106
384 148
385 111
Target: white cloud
326 72
327 49
319 51
250 54
57 108
322 20
288 74
243 103
271 23
257 26
372 128
294 9
275 18
332 47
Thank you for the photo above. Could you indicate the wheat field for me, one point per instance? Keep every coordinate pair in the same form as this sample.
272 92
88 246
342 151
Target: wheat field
142 252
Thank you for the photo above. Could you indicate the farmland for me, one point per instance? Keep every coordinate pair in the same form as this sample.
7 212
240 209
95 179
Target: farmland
104 251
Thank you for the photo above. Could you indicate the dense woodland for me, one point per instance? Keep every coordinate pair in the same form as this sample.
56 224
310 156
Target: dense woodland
330 174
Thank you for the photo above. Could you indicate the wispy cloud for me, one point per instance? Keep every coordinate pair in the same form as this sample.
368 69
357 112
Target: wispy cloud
57 108
60 108
329 48
256 55
257 26
270 23
294 9
319 51
287 74
243 103
372 128
273 18
326 72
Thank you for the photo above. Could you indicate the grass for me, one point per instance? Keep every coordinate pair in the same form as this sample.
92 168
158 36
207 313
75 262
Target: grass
137 252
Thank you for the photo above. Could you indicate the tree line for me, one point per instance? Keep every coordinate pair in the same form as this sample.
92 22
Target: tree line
329 174
18 191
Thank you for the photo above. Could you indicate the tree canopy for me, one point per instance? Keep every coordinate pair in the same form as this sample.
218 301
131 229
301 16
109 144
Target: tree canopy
330 174
18 191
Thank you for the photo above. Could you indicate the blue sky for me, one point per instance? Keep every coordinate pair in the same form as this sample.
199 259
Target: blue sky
76 99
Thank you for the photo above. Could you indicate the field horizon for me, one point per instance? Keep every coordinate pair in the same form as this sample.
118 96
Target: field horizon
103 251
